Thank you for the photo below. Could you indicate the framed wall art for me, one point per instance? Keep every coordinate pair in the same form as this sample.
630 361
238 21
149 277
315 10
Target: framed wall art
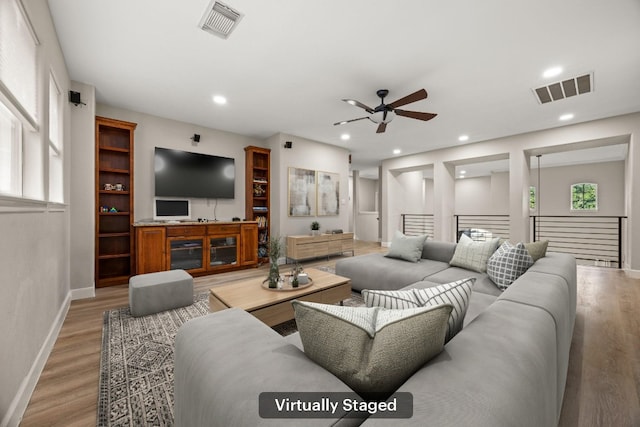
302 192
328 193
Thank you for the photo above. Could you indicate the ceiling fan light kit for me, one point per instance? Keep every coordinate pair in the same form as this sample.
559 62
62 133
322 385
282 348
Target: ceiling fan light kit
385 113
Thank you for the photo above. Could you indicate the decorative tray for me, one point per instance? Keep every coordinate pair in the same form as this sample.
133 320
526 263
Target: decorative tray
286 286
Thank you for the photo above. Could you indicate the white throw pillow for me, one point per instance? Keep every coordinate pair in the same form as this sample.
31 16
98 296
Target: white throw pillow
457 294
473 255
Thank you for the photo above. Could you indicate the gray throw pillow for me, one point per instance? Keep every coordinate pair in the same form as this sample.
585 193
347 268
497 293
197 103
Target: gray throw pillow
508 263
372 350
537 249
473 255
457 294
408 248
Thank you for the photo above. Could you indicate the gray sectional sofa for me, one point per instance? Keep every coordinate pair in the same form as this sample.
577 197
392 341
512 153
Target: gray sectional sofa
507 367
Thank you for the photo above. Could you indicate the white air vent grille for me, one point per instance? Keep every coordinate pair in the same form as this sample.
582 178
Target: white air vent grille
220 19
564 89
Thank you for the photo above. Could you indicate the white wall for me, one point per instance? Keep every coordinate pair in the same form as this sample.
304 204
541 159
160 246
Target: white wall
34 249
517 147
153 131
306 154
367 193
82 194
556 182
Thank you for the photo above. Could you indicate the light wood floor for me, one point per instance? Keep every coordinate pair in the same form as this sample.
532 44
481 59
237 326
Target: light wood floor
603 385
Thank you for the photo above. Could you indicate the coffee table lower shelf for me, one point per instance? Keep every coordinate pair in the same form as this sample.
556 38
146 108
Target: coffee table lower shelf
274 308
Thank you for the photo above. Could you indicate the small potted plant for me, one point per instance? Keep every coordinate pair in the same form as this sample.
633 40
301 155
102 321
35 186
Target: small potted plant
275 250
315 228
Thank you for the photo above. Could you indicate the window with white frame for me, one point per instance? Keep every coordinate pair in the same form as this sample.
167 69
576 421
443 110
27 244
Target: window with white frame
532 198
10 153
18 95
56 186
18 61
584 196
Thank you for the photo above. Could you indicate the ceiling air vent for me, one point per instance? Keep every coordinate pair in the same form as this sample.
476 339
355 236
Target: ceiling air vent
220 19
564 89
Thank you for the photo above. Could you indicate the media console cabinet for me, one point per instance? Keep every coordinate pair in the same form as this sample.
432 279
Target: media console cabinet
199 248
322 245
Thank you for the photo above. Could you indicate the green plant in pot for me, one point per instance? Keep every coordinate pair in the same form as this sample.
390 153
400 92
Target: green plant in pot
275 250
315 227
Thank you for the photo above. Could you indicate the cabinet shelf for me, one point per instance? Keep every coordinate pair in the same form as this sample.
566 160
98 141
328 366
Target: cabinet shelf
120 234
115 192
114 149
113 170
114 256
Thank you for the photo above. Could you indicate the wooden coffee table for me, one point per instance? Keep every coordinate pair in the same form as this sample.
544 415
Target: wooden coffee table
274 307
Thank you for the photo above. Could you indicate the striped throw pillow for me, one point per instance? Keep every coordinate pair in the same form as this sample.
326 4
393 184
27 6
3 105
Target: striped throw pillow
457 294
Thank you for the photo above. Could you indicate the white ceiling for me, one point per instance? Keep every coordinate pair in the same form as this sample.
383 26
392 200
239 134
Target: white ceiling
289 63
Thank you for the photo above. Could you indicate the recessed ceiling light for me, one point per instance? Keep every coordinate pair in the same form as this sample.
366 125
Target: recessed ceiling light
552 72
461 177
463 138
345 137
463 172
566 117
397 151
219 99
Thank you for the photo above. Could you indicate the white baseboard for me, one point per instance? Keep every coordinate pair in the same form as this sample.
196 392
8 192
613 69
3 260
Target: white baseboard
19 404
82 293
634 274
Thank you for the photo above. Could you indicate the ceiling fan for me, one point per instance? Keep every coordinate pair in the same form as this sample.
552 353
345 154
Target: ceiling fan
384 113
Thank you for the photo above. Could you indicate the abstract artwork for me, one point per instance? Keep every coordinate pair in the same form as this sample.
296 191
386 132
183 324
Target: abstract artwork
302 192
328 193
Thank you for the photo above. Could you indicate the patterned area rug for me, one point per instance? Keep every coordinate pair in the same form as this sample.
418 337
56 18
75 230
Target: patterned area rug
136 366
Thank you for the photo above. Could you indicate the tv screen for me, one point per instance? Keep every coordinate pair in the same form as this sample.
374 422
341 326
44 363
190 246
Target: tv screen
171 209
185 174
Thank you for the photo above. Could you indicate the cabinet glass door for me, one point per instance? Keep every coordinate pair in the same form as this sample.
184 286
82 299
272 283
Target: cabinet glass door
186 254
223 251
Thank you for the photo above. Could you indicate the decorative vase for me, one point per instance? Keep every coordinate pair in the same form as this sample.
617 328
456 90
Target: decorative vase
274 274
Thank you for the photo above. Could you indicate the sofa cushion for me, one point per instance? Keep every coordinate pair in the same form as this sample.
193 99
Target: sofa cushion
219 359
408 248
438 251
499 371
483 283
457 294
508 263
473 255
375 271
371 349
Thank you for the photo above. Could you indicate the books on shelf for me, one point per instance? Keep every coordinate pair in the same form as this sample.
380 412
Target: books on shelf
260 208
262 221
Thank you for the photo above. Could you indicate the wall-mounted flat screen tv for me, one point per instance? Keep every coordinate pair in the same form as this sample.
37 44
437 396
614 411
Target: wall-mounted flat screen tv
185 174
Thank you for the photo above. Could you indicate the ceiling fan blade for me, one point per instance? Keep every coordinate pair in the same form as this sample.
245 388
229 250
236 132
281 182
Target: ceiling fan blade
415 114
349 121
358 104
415 96
381 128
